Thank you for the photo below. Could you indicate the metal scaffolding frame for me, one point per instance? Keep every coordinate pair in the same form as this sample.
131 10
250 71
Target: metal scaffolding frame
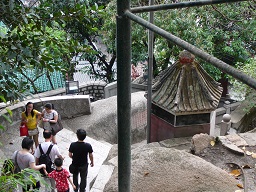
124 16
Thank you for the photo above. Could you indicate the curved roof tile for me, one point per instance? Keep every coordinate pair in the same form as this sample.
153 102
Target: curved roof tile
185 88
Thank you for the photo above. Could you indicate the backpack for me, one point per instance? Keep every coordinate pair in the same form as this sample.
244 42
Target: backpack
45 159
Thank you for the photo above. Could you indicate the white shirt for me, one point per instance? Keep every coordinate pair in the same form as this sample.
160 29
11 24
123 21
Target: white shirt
55 152
50 115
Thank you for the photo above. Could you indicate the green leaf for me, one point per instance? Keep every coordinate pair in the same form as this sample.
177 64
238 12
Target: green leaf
2 98
47 43
9 111
13 47
7 118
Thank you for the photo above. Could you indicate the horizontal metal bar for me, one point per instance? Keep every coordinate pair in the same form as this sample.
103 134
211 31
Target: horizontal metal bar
196 51
180 5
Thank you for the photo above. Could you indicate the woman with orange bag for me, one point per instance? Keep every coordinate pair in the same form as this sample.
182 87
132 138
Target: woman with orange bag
31 117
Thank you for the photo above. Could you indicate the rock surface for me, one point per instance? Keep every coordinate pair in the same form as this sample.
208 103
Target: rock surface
102 123
156 168
200 141
186 176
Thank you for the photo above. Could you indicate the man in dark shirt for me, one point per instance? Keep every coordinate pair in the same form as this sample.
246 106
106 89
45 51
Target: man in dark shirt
79 151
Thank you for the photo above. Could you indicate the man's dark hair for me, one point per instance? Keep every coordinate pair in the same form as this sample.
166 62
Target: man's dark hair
58 162
81 134
27 143
47 134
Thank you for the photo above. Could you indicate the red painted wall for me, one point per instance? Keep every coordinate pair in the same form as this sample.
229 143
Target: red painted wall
161 130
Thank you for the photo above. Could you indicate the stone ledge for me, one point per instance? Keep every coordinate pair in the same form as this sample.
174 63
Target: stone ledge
68 106
102 178
100 85
250 138
230 146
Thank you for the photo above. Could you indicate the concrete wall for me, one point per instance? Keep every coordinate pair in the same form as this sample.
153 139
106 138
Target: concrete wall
226 109
94 89
111 89
68 106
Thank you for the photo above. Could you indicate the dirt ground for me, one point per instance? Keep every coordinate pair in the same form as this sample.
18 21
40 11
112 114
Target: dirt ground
242 167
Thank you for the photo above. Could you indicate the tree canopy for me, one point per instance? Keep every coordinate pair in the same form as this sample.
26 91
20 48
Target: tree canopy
36 36
225 31
46 35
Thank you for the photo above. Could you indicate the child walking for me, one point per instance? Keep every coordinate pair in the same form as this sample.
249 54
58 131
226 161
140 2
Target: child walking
61 176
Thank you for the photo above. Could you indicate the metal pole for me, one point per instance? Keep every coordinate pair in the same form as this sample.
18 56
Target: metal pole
123 36
196 51
150 73
180 5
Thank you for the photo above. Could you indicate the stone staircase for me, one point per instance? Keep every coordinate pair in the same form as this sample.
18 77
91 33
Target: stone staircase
100 153
99 174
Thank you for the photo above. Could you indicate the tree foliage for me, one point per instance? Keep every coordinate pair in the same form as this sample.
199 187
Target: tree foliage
34 37
47 34
225 31
86 31
9 181
242 90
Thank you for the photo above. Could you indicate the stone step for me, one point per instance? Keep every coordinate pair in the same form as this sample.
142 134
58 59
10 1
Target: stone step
103 177
100 152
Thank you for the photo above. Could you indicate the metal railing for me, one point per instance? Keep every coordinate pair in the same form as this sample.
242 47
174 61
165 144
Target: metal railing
124 16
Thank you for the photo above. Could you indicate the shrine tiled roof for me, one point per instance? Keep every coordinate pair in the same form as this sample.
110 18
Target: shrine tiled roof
185 88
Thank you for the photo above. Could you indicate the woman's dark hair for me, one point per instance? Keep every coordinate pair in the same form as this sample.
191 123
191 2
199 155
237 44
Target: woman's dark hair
58 162
27 143
26 109
81 134
49 106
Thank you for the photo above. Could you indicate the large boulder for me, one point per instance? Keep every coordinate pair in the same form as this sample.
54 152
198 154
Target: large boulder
101 124
156 168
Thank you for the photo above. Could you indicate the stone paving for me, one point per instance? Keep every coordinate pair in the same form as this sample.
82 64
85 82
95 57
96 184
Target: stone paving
100 152
11 142
236 142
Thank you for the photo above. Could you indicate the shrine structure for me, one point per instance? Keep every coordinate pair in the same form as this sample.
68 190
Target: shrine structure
183 98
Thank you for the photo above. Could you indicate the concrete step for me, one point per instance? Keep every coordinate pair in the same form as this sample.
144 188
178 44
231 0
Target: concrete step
103 177
100 152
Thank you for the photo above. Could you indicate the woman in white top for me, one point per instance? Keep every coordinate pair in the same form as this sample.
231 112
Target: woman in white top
51 116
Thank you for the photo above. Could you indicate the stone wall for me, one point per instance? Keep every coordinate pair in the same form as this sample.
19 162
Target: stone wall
111 88
227 108
94 89
68 106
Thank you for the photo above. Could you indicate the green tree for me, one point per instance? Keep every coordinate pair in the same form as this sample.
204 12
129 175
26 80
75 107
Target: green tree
87 31
241 89
225 31
9 181
33 38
